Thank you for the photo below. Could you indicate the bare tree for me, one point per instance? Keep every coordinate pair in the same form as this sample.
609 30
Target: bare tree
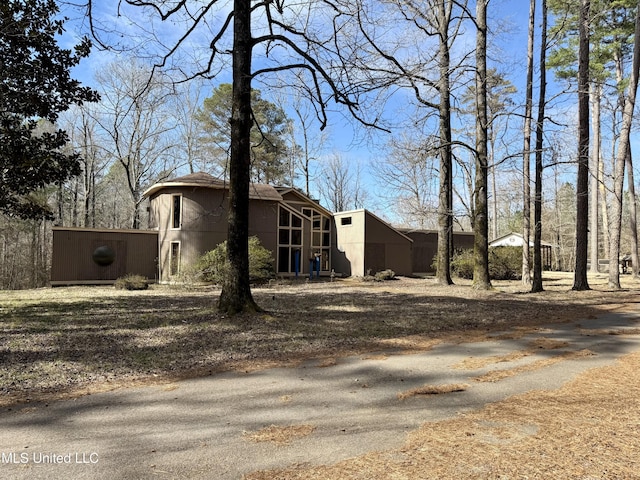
595 93
185 104
621 156
301 38
437 22
306 140
408 171
340 186
84 138
137 126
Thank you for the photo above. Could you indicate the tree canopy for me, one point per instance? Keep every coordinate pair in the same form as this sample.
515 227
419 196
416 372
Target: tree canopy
269 151
35 86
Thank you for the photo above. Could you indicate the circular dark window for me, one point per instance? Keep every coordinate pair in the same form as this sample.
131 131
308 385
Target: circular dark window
104 255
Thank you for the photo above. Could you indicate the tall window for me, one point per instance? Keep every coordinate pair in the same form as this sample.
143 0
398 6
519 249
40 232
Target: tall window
321 239
174 264
176 211
289 241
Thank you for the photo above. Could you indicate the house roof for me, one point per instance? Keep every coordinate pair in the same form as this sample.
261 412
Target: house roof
513 240
257 191
304 198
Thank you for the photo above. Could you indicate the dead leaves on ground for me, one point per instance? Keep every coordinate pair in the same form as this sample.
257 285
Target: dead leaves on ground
279 435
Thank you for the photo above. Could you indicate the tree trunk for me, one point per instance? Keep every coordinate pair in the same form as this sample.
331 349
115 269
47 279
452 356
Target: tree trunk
633 210
445 199
603 197
580 281
526 160
623 146
536 285
236 290
481 225
596 93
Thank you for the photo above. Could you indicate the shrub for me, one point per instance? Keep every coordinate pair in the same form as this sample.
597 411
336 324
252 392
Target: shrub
213 265
384 275
132 282
462 264
505 263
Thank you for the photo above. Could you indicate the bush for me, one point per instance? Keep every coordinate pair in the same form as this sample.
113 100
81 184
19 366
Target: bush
380 276
132 282
505 263
462 264
384 275
213 266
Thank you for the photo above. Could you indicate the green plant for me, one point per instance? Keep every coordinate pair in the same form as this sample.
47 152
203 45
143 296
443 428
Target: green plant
462 264
213 265
132 282
505 263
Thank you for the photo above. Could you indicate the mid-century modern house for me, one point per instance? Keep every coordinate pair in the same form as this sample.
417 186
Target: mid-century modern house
188 217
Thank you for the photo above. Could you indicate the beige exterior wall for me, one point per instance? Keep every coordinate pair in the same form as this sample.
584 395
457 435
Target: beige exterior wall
365 243
136 252
203 224
350 245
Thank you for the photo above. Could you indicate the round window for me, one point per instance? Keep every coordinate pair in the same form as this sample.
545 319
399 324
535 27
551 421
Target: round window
104 255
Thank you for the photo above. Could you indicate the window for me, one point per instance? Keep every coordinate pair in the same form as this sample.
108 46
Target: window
174 265
284 218
289 241
345 221
176 211
321 239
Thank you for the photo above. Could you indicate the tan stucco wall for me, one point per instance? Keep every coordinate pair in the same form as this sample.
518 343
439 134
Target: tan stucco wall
204 223
369 245
348 258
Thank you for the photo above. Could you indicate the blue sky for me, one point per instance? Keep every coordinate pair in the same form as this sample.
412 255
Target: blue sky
347 139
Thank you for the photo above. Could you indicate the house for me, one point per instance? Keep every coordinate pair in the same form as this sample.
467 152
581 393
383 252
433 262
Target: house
517 240
190 216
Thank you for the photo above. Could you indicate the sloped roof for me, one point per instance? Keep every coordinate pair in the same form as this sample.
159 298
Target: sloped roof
257 191
513 239
294 191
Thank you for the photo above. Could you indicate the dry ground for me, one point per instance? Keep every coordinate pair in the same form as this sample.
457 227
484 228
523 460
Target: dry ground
64 342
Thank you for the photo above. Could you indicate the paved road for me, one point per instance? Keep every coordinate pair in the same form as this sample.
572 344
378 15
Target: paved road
195 429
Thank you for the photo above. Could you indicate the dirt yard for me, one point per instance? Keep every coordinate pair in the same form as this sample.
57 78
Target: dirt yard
64 342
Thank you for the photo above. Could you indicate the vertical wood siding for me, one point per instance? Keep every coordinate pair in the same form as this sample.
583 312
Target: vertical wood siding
136 252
